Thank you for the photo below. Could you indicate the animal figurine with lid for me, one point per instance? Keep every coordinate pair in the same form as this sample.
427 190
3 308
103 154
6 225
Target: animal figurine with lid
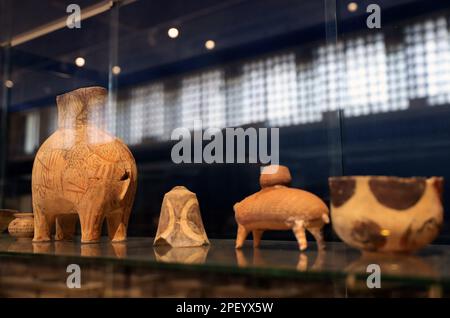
278 207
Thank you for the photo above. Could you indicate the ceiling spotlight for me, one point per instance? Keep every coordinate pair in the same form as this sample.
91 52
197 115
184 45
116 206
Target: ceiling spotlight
79 61
352 6
116 70
173 33
9 83
210 44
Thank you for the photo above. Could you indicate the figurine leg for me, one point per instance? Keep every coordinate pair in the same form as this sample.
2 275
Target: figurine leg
91 217
91 221
241 236
257 234
65 227
117 229
317 233
118 222
299 231
42 225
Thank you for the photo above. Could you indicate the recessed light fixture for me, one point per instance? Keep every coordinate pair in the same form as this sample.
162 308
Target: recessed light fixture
79 61
352 6
9 83
173 33
116 70
210 44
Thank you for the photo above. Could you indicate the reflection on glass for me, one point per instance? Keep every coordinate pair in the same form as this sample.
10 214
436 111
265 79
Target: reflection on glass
362 74
259 260
91 250
43 248
21 246
394 265
66 248
184 255
119 249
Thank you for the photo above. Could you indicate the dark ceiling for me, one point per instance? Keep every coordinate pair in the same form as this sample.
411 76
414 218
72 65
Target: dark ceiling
136 33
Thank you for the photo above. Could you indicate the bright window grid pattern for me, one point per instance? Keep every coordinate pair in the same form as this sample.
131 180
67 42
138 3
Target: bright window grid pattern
361 75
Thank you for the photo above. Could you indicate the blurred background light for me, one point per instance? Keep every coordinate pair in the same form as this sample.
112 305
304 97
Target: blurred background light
210 44
116 70
79 61
173 33
352 6
9 83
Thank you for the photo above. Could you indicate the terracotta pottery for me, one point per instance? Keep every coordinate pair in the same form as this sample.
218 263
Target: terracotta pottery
278 207
22 227
180 221
82 172
6 216
386 214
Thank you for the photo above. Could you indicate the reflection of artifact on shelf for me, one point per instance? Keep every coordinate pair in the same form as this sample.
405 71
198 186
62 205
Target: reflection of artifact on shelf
302 263
180 221
65 247
386 214
6 216
94 249
82 172
390 265
184 255
21 246
119 249
4 244
278 207
393 264
43 248
22 227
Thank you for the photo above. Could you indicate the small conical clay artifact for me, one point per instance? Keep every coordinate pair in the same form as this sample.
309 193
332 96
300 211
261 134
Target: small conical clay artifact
180 221
82 172
279 207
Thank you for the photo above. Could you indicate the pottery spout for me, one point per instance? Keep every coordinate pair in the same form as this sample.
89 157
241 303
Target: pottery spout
77 108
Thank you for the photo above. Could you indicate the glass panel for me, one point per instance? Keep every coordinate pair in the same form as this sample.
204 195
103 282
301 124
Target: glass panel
394 86
344 96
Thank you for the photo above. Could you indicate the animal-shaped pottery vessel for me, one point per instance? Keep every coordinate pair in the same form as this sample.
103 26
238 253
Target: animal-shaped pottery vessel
278 207
82 172
386 214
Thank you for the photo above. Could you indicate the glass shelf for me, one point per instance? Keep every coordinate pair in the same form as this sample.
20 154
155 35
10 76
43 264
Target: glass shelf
273 259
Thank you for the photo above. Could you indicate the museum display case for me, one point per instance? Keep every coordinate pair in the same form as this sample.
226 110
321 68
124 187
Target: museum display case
150 142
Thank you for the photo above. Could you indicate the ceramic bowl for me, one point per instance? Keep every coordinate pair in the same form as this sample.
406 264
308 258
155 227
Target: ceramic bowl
22 227
386 214
6 216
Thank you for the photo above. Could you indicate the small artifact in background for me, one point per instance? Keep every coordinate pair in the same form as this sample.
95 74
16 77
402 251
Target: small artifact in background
278 207
386 214
82 172
22 227
6 216
180 221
